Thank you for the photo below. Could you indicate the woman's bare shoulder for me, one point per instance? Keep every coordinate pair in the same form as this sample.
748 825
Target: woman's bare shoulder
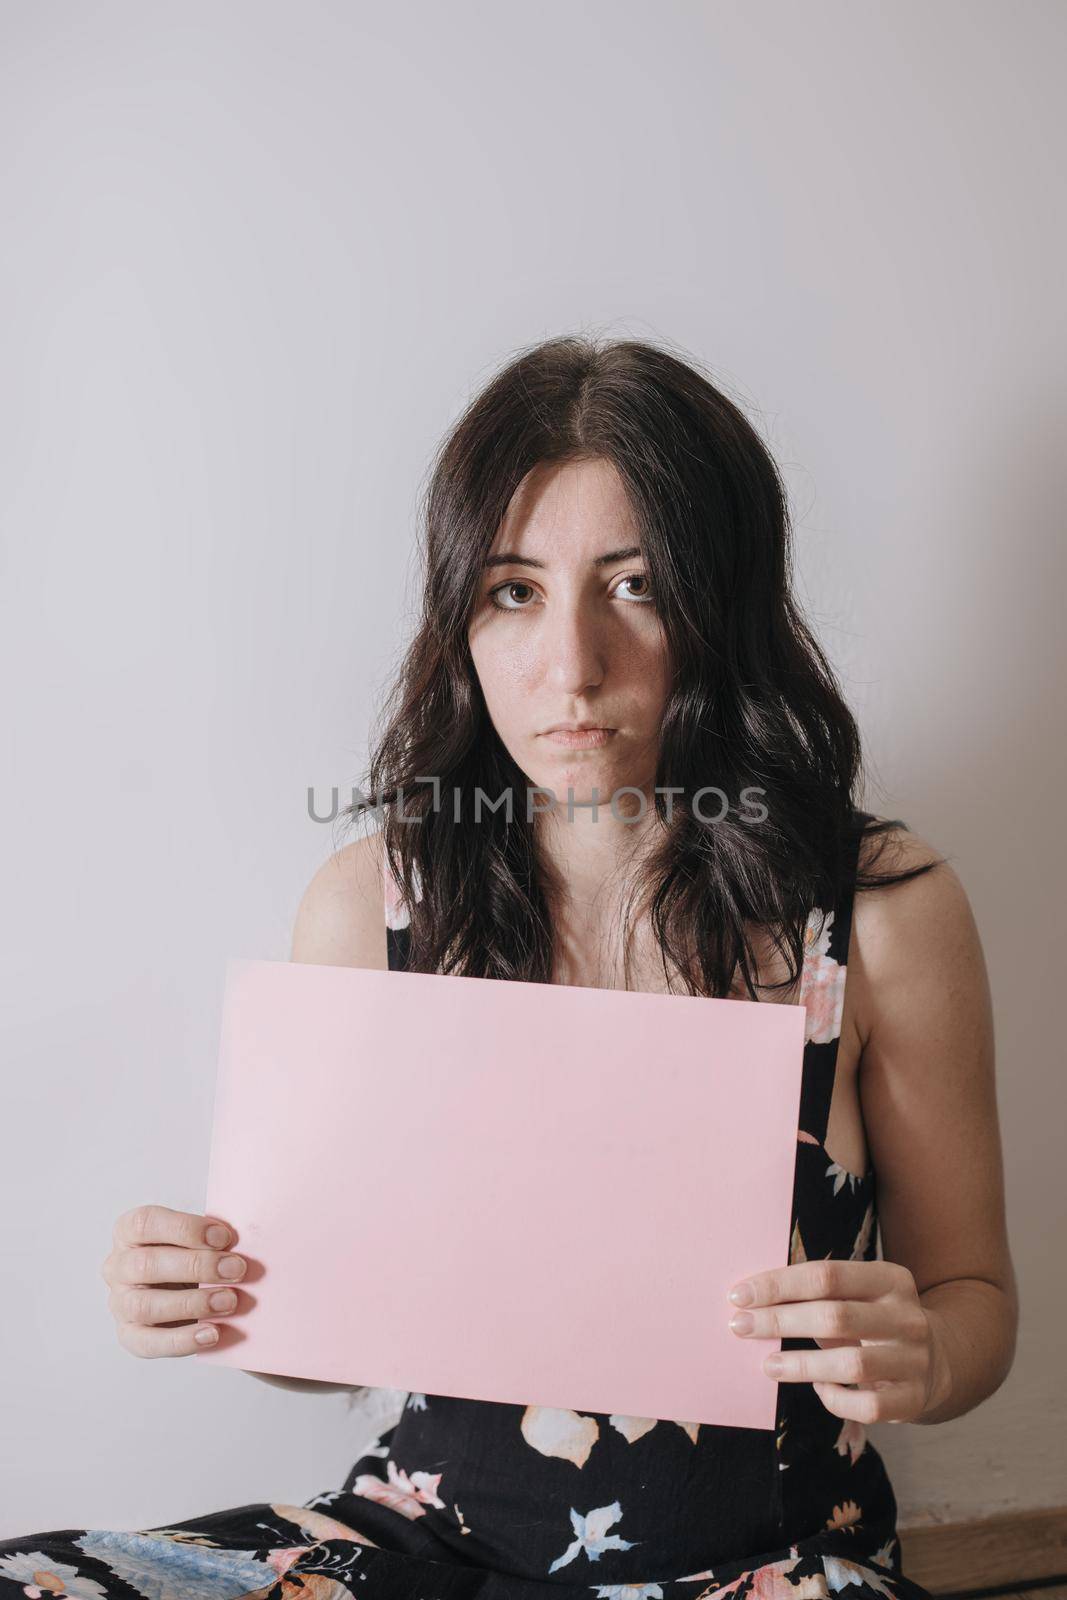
927 1071
901 850
340 921
912 935
897 849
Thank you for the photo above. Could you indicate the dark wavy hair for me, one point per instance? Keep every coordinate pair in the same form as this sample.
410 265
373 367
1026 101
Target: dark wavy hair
754 702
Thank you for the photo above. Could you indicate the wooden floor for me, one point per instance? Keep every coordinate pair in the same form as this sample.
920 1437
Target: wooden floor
1013 1556
1051 1591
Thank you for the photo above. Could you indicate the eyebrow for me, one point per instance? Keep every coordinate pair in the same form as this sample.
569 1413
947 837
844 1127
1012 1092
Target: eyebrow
510 558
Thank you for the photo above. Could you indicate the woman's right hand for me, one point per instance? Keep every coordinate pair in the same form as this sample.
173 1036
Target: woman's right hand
158 1259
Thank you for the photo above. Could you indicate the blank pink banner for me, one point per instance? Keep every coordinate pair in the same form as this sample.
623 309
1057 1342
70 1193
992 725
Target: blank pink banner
531 1193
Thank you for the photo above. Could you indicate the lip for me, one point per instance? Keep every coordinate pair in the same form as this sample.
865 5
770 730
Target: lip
579 738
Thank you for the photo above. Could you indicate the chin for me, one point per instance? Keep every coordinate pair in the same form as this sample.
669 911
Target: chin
581 773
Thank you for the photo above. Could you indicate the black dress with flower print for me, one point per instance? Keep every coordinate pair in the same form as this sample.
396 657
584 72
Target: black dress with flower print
459 1499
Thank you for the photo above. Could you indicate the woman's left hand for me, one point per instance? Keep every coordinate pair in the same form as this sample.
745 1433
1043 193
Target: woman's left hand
872 1330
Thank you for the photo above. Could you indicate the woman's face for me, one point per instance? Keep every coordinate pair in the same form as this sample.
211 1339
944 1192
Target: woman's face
565 631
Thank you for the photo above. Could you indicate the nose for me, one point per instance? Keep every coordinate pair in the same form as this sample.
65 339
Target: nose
575 653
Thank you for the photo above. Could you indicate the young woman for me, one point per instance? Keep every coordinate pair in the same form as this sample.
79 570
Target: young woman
617 757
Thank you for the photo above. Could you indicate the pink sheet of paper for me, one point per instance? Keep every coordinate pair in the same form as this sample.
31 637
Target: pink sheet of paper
531 1193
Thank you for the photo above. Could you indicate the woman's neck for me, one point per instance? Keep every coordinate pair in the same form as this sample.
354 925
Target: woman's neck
591 861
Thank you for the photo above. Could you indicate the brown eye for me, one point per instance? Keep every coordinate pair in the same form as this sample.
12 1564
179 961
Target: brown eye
504 588
640 577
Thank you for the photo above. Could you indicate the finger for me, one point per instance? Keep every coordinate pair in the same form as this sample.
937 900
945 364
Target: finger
830 1279
151 1343
847 1320
864 1364
163 1225
157 1306
160 1263
882 1402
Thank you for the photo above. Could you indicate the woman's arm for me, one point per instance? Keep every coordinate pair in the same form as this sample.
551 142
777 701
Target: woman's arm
928 1094
340 922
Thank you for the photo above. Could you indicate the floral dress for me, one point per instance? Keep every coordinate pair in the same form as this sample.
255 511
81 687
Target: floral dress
478 1500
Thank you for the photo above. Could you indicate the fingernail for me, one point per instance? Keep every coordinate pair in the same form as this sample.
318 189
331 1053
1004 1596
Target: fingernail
206 1335
772 1365
742 1294
231 1267
218 1237
744 1322
223 1300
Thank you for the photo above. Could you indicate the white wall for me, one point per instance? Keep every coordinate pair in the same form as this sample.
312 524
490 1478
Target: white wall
256 257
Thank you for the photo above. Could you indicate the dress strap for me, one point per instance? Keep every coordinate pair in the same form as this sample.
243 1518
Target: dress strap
822 992
397 920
